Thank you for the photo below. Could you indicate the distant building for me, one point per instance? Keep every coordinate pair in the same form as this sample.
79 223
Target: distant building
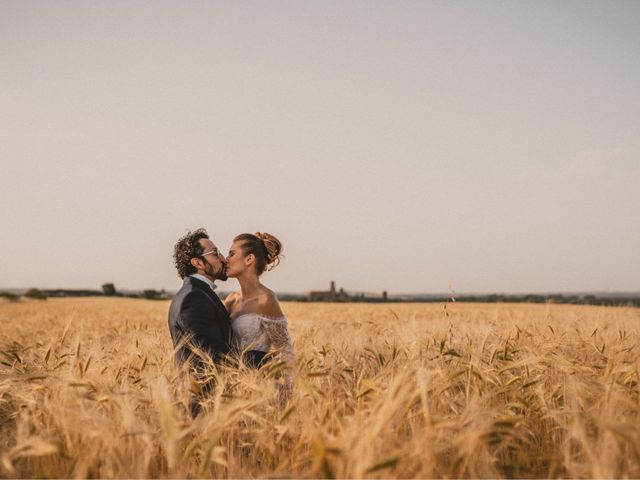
331 295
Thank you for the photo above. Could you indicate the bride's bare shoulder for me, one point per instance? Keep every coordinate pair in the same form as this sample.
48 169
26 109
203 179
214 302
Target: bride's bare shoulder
268 304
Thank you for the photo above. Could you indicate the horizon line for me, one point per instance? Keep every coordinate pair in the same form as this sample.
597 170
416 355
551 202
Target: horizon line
357 292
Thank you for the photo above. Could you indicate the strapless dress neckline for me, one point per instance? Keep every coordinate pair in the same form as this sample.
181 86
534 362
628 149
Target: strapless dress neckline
261 315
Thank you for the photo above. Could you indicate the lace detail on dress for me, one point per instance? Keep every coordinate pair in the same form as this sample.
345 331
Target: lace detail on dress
269 334
277 330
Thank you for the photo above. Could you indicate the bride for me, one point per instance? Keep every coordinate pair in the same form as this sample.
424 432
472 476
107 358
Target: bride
258 323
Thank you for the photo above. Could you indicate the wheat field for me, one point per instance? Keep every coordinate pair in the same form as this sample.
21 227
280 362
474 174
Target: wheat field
88 388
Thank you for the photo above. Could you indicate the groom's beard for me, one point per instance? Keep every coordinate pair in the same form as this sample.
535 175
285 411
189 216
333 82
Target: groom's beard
220 274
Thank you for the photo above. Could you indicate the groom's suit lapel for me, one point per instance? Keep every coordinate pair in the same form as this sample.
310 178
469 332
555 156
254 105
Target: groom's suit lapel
200 285
218 303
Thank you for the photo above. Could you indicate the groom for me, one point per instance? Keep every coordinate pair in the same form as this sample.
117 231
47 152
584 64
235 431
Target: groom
197 317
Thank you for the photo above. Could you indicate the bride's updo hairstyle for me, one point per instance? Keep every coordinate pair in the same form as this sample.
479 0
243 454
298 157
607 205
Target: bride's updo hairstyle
265 247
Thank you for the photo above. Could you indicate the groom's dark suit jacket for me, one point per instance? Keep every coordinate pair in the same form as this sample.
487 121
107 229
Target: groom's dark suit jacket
197 312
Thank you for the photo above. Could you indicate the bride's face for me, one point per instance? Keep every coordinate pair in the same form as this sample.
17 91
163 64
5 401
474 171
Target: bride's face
237 262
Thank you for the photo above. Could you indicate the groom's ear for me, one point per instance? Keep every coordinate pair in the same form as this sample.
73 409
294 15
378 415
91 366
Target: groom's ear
197 263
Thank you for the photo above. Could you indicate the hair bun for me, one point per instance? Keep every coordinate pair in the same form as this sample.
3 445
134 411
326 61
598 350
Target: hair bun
273 246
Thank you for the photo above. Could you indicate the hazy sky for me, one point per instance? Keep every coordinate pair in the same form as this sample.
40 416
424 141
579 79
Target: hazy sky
400 146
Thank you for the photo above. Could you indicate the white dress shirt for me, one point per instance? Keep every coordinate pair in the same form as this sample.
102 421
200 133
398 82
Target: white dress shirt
205 280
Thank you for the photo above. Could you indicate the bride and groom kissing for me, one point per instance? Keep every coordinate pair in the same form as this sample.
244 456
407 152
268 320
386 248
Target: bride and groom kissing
249 326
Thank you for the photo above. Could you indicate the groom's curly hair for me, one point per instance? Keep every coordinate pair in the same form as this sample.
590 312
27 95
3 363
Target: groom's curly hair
186 248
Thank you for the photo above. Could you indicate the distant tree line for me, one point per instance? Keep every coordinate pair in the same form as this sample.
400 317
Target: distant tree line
489 298
562 299
12 297
32 293
108 290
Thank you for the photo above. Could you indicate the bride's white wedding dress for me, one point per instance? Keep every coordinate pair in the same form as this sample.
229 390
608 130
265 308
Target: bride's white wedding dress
254 331
263 333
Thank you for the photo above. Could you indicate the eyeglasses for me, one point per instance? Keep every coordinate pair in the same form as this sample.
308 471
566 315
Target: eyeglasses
215 251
